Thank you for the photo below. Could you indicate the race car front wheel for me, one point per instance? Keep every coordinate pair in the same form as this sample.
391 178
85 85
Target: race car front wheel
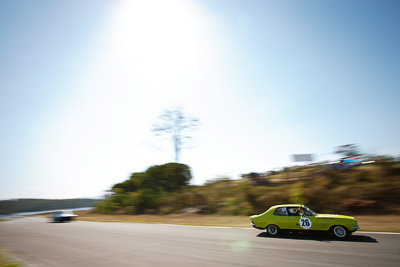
340 231
272 230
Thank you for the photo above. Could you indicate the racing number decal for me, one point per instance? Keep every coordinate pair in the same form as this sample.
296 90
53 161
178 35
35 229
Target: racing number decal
305 223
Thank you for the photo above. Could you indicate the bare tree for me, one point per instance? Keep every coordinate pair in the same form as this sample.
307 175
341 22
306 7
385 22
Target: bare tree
175 124
349 150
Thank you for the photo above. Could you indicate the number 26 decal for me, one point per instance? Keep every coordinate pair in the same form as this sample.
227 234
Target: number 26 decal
305 223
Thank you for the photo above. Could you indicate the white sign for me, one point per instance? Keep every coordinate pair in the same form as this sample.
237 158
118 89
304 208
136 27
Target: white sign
302 157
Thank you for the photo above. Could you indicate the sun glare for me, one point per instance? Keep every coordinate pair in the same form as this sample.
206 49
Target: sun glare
155 39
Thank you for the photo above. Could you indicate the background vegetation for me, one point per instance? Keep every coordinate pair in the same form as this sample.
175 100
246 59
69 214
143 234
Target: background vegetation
365 189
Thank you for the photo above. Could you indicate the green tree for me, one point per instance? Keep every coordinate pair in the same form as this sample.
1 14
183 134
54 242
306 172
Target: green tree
170 176
144 191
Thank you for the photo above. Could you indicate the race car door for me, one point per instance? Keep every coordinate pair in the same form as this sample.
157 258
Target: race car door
280 218
302 220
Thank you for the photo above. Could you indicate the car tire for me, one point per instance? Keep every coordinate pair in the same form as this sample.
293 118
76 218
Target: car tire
272 230
340 232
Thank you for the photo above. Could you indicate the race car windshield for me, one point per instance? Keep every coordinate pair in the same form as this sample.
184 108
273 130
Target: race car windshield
309 212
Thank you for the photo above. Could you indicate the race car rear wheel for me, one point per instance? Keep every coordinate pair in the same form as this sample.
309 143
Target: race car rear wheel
272 230
339 231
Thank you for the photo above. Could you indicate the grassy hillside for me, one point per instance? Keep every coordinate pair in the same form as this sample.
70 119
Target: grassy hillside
367 189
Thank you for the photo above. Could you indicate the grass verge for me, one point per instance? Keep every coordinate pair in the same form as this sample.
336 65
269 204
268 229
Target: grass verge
381 223
7 258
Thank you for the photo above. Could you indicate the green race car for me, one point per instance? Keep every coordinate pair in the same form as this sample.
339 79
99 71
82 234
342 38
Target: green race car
297 217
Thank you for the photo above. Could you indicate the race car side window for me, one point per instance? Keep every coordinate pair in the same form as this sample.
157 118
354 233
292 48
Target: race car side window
294 211
280 212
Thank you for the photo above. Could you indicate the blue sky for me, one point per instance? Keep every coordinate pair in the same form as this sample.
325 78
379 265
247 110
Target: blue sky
81 83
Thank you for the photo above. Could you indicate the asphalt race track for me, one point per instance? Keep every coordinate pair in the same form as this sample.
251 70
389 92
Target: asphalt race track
132 244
